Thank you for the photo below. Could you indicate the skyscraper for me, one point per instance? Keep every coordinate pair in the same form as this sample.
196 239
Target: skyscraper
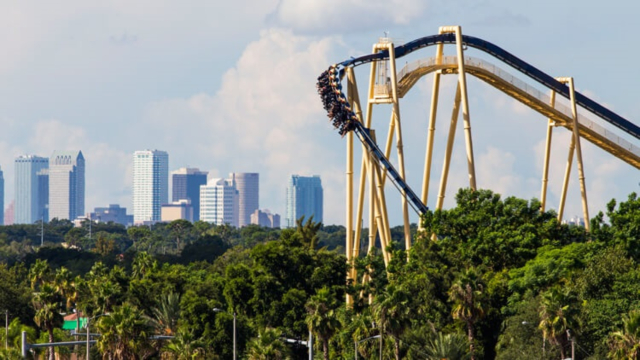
150 185
66 185
219 202
1 198
43 193
304 198
248 186
28 203
186 186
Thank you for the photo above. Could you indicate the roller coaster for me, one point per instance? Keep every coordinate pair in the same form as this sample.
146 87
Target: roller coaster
387 85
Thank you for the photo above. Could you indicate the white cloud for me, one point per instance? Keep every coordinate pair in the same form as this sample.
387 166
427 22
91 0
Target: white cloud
266 117
338 16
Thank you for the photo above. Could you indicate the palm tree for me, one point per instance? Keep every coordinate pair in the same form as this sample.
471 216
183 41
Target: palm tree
184 346
321 317
392 311
47 305
15 334
450 347
125 334
625 344
39 273
143 264
165 317
267 346
66 286
360 328
467 295
308 231
557 315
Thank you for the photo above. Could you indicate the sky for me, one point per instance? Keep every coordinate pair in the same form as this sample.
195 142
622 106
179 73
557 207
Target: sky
230 87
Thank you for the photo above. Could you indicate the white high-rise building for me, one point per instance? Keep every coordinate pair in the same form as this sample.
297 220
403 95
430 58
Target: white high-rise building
150 185
248 186
219 202
28 208
66 185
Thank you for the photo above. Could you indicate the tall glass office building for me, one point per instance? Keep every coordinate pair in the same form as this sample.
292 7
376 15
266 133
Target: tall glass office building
28 200
186 184
150 185
304 198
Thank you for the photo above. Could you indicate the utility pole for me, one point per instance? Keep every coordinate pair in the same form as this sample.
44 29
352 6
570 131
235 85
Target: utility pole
6 329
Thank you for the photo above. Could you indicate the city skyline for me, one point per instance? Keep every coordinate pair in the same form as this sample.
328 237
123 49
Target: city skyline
67 187
247 101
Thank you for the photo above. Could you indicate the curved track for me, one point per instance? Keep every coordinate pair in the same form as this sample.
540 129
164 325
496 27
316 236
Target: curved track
531 97
511 60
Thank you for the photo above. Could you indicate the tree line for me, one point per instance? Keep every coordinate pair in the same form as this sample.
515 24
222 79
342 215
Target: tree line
491 278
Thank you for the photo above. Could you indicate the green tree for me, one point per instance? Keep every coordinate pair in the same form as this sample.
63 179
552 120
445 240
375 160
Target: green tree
184 346
15 334
268 345
450 347
125 334
47 305
138 234
625 344
165 317
179 230
143 264
39 273
66 287
392 311
558 313
308 231
321 318
468 297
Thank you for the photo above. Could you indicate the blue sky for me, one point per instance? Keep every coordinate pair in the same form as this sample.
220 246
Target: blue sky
230 86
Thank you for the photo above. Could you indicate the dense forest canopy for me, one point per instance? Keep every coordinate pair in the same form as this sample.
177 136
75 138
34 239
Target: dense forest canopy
489 278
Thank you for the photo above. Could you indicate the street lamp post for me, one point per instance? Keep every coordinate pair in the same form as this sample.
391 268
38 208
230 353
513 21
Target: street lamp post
6 329
234 329
369 338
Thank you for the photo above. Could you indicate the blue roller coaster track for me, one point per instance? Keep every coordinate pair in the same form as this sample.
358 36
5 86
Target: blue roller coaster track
510 60
340 111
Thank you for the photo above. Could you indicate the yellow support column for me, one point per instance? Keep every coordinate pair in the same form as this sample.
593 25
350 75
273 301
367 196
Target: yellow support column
354 100
576 136
574 146
396 111
363 166
547 155
432 126
449 149
466 117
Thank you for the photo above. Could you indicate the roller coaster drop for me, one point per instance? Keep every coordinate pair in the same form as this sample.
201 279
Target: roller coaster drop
387 85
